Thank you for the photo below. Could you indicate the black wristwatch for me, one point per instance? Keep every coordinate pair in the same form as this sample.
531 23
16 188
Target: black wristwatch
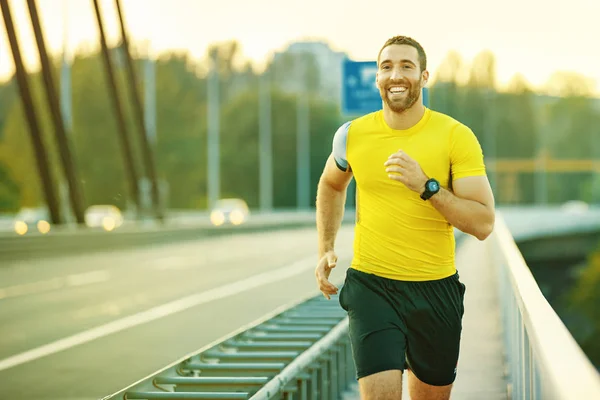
432 186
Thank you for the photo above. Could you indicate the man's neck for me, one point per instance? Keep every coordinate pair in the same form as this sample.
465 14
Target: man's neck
406 119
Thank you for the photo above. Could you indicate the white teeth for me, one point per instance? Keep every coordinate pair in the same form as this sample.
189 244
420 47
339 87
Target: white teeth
397 89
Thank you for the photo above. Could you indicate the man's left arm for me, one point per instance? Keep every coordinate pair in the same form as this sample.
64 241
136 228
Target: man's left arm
469 206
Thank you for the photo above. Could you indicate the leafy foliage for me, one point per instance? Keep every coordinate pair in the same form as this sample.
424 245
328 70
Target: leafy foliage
513 124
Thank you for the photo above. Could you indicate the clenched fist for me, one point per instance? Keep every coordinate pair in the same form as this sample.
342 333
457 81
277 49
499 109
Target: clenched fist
402 168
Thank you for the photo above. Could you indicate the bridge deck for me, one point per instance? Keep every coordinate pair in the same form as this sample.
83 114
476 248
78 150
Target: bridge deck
481 367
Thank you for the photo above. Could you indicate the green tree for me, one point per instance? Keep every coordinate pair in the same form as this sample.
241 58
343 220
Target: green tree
517 135
9 191
516 125
8 96
293 72
96 134
235 73
325 120
569 84
446 94
580 307
483 71
240 152
181 131
16 149
570 123
479 105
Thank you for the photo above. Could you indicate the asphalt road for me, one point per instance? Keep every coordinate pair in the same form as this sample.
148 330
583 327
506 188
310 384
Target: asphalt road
82 327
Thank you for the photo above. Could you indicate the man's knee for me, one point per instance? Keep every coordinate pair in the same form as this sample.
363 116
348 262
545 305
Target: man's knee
384 385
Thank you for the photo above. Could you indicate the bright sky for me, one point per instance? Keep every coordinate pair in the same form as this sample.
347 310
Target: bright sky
531 37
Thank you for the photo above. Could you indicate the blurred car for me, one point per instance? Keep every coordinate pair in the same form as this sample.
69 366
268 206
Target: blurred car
107 217
575 207
32 219
229 211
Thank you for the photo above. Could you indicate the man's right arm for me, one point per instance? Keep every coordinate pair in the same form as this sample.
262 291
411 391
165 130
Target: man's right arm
331 192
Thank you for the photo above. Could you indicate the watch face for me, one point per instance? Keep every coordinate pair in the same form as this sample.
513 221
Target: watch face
433 186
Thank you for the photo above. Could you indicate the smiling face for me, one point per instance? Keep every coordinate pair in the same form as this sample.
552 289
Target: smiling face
399 76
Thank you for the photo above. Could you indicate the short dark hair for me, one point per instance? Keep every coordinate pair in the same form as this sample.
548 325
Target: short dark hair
410 42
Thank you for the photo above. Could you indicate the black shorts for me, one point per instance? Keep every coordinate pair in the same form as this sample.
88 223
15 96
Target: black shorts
401 324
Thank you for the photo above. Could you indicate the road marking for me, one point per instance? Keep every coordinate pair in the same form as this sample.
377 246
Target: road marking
85 278
159 312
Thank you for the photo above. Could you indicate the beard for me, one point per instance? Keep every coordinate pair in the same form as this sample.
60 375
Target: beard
404 103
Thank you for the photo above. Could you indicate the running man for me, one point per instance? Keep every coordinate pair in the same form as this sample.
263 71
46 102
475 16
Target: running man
418 173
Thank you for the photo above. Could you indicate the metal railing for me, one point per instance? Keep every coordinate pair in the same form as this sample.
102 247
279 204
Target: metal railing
300 352
544 360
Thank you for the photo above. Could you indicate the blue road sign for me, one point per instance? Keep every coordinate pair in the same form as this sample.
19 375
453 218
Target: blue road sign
360 94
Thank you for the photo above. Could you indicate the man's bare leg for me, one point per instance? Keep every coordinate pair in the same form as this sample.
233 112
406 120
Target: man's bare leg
385 385
422 391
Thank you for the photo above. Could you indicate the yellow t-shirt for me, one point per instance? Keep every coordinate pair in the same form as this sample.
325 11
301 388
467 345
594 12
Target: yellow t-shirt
398 235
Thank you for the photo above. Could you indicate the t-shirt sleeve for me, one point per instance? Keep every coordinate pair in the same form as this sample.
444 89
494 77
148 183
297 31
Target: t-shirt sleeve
466 154
340 139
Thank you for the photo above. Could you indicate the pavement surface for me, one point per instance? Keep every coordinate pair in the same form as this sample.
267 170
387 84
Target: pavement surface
85 327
